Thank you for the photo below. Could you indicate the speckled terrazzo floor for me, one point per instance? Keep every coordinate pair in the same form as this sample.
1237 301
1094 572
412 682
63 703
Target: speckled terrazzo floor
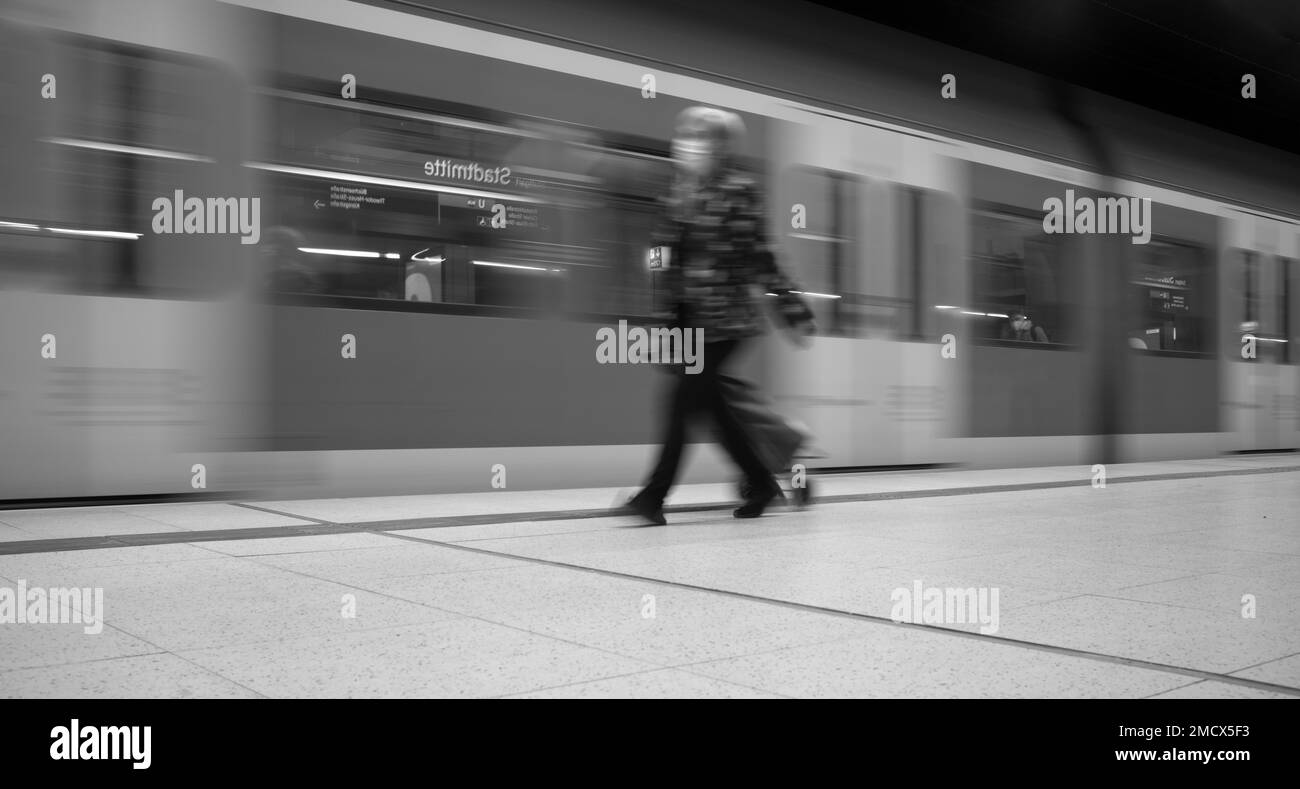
1183 587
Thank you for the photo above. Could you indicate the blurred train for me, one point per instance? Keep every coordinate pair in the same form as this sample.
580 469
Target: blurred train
448 213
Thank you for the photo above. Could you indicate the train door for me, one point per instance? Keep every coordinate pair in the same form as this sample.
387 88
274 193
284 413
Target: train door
126 360
1261 367
923 404
858 237
813 223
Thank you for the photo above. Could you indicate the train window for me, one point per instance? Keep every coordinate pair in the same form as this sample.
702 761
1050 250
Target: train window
924 234
1021 279
878 283
816 247
401 205
863 252
1175 294
1266 305
135 125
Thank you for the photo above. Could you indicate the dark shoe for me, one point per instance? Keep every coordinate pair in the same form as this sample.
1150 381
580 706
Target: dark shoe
756 503
746 490
654 513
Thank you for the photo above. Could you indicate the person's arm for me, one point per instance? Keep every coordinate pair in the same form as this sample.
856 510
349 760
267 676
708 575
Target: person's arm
751 240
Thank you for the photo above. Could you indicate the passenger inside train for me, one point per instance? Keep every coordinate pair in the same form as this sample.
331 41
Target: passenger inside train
1020 328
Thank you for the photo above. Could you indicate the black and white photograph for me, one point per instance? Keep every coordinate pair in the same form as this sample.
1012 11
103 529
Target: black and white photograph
410 351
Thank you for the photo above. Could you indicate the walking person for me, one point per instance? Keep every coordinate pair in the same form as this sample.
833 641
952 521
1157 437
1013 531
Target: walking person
713 227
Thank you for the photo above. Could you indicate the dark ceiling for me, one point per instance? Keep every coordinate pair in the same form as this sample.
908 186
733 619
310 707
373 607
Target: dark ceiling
1181 57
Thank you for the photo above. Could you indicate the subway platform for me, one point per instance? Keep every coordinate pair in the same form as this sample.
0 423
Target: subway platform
1174 580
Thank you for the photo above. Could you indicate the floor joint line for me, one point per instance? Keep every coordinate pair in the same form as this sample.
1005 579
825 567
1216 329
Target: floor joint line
807 607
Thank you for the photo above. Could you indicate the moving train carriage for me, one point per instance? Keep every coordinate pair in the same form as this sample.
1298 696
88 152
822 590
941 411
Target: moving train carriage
475 340
1041 392
909 268
906 238
600 420
124 362
409 345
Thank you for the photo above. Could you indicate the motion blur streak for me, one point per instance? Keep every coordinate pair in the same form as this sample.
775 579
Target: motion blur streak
447 215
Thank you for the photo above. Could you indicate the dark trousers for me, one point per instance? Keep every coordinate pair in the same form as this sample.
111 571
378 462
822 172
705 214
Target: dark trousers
705 391
773 438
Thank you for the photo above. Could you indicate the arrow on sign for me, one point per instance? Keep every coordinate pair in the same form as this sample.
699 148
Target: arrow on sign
319 205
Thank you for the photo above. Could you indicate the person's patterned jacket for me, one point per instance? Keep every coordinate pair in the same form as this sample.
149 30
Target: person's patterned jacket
719 251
